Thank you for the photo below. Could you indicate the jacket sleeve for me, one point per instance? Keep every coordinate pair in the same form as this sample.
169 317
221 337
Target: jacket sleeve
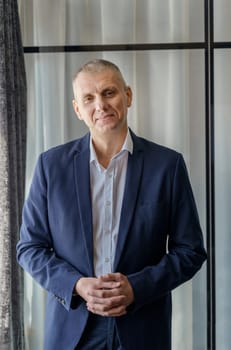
185 252
35 252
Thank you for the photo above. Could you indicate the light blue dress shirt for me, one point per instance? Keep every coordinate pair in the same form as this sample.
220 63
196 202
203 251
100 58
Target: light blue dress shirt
107 189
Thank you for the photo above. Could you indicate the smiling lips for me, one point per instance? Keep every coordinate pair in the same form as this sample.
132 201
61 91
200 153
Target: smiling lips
105 116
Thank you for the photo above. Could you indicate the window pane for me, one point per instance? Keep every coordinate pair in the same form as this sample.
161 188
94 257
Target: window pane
81 22
168 108
223 195
222 20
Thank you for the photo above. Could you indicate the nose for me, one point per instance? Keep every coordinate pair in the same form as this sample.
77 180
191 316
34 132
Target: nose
100 104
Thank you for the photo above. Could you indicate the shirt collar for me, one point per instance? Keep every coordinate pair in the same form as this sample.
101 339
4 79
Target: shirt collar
127 146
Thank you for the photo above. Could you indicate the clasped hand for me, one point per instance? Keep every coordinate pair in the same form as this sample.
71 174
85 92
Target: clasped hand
107 295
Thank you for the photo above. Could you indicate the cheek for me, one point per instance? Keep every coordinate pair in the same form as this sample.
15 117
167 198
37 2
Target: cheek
119 105
86 112
89 116
123 107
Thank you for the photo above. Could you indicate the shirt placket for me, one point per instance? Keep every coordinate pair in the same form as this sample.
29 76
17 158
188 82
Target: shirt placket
107 224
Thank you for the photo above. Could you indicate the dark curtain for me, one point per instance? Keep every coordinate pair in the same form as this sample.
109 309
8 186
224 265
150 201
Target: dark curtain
12 173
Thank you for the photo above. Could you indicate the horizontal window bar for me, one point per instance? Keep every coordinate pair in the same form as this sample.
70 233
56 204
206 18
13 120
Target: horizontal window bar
222 45
116 47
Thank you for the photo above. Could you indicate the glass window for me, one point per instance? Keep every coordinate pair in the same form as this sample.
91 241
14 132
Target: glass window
222 22
223 195
168 108
81 22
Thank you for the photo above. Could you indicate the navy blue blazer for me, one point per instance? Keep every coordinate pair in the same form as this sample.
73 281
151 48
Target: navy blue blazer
160 244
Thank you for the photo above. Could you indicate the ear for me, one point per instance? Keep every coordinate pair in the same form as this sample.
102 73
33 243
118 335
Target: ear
76 109
129 96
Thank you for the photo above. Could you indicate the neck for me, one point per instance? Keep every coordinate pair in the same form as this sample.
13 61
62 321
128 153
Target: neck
107 147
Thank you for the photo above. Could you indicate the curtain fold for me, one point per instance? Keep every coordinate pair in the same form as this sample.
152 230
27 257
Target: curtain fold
12 173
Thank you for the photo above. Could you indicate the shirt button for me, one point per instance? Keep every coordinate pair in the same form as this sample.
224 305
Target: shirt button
106 260
108 203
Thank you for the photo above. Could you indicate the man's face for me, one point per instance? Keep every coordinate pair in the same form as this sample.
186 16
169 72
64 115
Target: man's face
101 101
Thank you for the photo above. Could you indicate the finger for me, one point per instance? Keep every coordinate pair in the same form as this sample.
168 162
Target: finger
117 277
114 311
108 281
117 311
105 304
104 293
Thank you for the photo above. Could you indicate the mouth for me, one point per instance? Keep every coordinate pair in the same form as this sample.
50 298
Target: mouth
104 117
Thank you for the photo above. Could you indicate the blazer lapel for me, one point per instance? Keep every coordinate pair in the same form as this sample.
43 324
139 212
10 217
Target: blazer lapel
82 183
132 186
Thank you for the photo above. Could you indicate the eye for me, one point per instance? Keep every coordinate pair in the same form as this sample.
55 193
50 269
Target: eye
88 99
109 93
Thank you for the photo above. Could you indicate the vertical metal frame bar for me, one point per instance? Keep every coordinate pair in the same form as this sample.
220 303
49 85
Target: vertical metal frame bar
210 175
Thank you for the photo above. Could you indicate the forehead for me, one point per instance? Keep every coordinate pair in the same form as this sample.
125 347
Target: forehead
87 82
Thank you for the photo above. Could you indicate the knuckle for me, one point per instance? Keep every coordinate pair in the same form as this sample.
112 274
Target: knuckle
108 304
91 299
103 294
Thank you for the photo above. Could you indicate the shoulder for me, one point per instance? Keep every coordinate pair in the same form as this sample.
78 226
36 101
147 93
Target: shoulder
59 159
66 151
153 149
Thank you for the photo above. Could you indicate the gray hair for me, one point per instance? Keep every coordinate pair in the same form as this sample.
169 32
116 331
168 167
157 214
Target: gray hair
98 65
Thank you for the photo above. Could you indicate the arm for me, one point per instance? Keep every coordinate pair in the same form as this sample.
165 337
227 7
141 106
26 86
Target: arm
185 250
35 250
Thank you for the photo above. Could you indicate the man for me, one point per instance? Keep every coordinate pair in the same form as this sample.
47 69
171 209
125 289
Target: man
109 227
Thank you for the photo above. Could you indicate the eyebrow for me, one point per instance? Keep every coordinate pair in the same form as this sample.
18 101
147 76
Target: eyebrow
111 87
